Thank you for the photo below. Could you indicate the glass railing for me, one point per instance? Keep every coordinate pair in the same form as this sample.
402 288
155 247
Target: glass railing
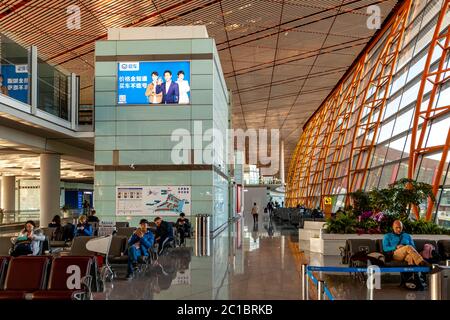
18 216
52 92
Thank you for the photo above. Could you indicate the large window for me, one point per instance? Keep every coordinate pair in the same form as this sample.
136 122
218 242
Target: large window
372 150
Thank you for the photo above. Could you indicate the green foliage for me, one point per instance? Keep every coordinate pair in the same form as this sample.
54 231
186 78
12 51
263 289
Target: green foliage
344 223
423 227
380 199
394 202
368 226
347 223
407 192
361 201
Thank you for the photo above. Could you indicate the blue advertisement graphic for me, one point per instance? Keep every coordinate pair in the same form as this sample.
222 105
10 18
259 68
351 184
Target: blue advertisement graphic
149 83
15 79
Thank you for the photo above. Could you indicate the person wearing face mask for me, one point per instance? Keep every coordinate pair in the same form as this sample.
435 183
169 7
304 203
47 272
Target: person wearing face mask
28 242
150 92
169 89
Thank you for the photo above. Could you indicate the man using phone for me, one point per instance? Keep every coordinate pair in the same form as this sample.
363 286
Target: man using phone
139 244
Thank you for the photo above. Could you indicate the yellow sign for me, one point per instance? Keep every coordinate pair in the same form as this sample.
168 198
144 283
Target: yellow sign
327 206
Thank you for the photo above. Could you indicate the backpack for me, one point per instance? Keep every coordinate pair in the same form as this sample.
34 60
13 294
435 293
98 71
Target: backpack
68 232
429 253
22 248
58 234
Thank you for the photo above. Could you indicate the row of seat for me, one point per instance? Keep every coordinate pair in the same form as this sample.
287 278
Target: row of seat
353 246
54 278
296 216
49 245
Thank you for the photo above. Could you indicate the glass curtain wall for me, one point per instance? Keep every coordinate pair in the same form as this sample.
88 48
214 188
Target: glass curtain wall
360 138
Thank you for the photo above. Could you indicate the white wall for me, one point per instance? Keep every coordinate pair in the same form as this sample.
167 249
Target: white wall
255 194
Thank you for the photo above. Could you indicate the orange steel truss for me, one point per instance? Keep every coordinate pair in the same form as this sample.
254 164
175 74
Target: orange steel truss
374 100
335 150
428 111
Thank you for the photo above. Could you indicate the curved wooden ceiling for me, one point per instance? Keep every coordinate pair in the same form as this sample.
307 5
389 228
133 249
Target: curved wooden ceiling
281 58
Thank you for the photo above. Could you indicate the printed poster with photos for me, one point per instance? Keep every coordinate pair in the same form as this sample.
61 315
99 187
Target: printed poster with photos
153 201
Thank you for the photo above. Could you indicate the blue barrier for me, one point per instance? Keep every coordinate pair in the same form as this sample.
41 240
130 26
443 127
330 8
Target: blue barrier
381 269
315 281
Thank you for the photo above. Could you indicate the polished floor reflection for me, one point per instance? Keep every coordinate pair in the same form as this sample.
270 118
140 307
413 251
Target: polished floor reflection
246 261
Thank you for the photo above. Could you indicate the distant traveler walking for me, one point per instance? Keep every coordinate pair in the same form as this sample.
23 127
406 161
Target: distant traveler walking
255 211
269 207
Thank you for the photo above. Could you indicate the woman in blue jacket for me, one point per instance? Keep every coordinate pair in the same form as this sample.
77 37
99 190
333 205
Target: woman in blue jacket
138 245
83 228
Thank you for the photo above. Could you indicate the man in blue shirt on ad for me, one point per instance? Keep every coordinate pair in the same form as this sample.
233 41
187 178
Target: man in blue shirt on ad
169 89
400 246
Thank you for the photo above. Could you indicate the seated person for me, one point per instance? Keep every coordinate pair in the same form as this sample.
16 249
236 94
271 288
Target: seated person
92 217
399 246
28 242
183 227
338 213
164 231
58 233
139 244
83 227
56 222
68 232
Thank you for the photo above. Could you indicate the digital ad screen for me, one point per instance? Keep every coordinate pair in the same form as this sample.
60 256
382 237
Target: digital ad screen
154 82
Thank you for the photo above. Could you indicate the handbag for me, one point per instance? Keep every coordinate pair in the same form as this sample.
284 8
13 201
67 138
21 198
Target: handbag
22 248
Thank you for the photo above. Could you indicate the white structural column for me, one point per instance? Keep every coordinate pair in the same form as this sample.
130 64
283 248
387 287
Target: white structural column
50 187
282 162
8 197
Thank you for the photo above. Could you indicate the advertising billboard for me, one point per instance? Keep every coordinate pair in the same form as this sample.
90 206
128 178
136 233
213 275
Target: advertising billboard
149 82
153 201
14 81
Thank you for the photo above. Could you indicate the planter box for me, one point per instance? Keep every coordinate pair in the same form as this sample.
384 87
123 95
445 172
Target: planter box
311 229
329 243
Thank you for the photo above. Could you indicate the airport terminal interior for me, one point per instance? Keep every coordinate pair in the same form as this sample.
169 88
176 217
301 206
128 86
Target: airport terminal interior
225 150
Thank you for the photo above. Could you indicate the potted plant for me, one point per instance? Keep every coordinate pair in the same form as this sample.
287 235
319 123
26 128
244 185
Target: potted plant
406 193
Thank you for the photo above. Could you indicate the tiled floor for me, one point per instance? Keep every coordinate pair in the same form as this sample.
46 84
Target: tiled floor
245 262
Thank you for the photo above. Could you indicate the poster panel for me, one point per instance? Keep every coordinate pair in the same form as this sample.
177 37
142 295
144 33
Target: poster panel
154 82
153 200
14 82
